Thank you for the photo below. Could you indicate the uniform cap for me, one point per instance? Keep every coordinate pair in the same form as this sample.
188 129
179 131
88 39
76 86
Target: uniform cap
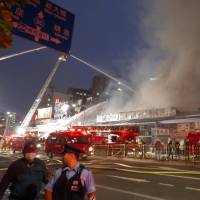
29 148
71 149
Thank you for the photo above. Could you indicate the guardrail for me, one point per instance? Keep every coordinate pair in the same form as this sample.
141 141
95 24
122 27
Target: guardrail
188 152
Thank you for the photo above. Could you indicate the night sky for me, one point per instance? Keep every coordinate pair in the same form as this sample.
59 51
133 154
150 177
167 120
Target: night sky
106 33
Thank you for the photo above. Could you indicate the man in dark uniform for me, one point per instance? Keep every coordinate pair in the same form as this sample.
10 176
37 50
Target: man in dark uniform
72 181
25 175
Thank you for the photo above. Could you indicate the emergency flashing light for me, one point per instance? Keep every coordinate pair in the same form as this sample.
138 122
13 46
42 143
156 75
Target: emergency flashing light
90 148
20 130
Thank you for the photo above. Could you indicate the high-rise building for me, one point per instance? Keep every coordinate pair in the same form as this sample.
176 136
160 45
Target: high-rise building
52 95
99 85
78 94
2 123
7 123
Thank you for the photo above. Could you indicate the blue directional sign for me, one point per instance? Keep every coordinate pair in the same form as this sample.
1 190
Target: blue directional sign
44 22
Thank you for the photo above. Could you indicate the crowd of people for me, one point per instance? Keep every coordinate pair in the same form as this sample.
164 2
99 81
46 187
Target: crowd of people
175 150
172 150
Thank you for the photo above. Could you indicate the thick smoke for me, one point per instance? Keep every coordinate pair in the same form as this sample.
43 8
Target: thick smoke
172 30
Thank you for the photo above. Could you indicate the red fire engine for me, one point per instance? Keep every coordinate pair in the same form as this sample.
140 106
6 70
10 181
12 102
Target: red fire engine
55 142
16 143
193 138
101 135
126 136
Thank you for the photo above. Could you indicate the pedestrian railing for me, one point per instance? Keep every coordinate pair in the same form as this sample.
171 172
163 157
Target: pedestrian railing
188 152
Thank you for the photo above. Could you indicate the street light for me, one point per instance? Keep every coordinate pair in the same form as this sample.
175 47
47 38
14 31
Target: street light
119 89
73 105
153 78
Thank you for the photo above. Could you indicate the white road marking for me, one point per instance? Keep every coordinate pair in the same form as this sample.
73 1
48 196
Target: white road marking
3 169
123 165
176 176
130 179
166 184
170 168
59 161
130 193
191 188
86 163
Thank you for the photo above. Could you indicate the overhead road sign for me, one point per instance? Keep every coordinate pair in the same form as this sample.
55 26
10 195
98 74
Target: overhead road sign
45 23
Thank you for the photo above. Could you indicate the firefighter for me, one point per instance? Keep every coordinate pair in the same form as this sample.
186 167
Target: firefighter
72 181
26 176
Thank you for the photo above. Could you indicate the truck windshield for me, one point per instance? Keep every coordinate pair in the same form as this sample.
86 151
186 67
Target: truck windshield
80 140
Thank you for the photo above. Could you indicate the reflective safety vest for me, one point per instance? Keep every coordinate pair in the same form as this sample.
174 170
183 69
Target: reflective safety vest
71 189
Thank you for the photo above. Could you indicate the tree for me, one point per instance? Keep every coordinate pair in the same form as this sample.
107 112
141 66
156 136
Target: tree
6 21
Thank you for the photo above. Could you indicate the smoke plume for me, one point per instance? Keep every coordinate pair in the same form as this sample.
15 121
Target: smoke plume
172 31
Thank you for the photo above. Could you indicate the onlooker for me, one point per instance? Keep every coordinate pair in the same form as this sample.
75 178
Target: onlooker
177 149
26 176
170 150
158 148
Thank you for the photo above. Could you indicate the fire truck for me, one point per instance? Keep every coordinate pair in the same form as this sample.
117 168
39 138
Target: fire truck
54 144
106 135
16 143
126 136
193 138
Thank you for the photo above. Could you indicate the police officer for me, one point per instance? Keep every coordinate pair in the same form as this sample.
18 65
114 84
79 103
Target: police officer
72 181
25 175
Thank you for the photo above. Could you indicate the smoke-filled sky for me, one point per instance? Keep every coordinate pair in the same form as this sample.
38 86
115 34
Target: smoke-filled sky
171 29
136 39
106 33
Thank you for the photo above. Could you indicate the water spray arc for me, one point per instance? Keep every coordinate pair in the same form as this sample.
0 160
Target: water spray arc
21 53
104 73
76 58
33 108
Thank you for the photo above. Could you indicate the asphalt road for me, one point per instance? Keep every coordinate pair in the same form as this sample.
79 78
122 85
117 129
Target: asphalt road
128 179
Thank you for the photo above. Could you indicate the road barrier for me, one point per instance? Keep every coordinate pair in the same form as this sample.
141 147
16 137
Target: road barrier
188 152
